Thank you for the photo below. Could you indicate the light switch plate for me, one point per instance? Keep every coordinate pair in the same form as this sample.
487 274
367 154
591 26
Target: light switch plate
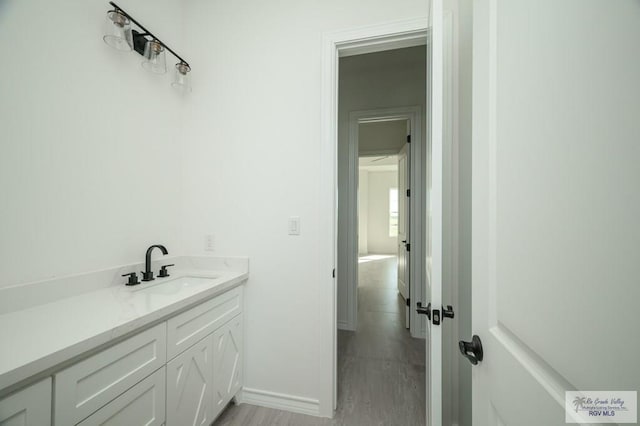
209 243
294 225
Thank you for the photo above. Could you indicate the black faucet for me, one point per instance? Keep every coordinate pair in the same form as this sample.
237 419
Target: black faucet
147 274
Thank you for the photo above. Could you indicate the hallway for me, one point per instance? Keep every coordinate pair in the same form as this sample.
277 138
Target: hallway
381 373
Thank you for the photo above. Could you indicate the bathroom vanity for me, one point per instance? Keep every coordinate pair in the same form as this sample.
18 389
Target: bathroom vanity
165 352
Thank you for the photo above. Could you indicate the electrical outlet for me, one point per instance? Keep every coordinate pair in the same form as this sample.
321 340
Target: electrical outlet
294 225
209 243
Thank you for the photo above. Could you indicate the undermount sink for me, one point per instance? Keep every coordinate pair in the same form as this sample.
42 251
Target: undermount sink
161 286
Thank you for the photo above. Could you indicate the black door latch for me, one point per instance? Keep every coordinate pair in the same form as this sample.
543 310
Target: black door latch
434 315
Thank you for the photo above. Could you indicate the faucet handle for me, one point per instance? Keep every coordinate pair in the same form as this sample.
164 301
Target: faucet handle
133 278
163 271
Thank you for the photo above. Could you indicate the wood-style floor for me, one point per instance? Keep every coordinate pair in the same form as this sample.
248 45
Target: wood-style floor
381 373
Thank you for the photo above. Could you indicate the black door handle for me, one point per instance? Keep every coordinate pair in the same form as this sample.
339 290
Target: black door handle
447 312
424 310
472 350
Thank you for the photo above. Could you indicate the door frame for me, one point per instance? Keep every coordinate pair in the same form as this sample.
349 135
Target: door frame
375 38
417 181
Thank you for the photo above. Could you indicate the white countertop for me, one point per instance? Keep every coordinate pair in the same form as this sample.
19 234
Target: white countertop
41 337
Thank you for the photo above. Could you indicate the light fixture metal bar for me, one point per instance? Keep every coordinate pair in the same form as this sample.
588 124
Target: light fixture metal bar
147 32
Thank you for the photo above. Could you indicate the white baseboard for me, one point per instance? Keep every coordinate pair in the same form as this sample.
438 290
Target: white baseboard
280 401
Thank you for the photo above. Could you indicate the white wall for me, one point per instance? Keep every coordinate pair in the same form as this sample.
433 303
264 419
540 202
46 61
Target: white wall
363 212
379 240
377 80
90 156
252 144
93 153
382 137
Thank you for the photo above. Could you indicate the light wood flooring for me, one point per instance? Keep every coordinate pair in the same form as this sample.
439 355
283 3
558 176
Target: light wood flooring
381 373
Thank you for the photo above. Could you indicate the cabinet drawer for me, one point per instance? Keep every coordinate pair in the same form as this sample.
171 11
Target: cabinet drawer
90 384
189 327
143 404
28 407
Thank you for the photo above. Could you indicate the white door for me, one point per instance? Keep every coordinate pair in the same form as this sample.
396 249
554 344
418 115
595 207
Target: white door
403 227
190 386
433 282
556 204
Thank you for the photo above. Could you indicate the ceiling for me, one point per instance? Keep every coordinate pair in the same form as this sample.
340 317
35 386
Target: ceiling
383 163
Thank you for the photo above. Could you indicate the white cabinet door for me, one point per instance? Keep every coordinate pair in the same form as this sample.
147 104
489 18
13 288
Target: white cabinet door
190 386
142 405
227 363
28 407
90 384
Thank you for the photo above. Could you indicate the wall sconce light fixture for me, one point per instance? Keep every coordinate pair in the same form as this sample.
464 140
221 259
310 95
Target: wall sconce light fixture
181 78
118 34
121 36
154 58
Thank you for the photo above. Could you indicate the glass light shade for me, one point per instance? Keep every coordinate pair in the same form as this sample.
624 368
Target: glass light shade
182 79
155 60
118 31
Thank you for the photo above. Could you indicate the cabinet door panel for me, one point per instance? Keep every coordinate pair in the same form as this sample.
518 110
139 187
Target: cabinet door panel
142 405
227 363
88 385
28 407
190 387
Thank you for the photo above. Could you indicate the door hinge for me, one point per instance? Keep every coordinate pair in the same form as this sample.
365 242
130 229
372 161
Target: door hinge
408 246
408 193
408 301
334 272
408 138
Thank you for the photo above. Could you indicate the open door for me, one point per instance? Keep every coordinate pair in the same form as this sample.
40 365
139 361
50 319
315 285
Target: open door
556 107
434 267
403 244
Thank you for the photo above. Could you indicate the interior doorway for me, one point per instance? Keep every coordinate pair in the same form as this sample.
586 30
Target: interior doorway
383 194
397 133
381 223
337 45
